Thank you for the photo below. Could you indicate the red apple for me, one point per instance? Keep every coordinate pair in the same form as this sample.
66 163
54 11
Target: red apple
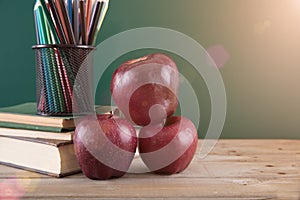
168 148
145 89
104 146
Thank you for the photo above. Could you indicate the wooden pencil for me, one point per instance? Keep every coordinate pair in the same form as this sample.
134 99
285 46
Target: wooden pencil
76 21
62 12
94 21
67 22
48 21
82 21
101 19
88 12
58 22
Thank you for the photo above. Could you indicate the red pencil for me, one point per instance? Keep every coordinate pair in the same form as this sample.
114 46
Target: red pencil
88 13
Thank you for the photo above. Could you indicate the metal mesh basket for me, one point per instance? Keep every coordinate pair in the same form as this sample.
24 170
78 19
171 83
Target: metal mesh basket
64 79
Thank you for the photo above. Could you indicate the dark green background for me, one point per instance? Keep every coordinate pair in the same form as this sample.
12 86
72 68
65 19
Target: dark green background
262 77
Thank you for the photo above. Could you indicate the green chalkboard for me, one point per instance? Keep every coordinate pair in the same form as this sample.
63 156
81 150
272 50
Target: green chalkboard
261 39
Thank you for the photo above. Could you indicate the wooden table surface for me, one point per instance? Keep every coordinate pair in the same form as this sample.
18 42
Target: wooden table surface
235 169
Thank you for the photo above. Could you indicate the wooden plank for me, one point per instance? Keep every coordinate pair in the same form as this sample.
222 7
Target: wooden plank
164 198
255 147
268 146
152 187
10 172
236 169
198 169
207 169
168 198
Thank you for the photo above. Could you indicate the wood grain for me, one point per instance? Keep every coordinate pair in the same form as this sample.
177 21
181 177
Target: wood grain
235 169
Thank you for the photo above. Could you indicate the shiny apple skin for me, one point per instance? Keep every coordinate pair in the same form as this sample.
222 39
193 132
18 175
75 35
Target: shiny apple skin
155 80
124 138
183 134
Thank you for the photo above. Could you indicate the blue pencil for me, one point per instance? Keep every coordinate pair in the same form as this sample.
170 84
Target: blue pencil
69 6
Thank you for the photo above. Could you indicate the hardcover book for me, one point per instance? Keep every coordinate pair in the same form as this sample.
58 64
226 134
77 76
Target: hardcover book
51 157
36 134
24 116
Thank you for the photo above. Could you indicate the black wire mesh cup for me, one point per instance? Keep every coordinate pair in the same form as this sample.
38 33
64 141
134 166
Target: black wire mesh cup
64 79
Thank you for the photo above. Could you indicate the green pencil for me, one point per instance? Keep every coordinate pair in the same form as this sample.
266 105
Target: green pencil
45 38
58 82
45 33
46 89
49 67
101 19
56 98
50 22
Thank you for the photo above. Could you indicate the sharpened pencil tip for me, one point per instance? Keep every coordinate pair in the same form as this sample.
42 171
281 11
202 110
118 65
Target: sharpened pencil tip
37 4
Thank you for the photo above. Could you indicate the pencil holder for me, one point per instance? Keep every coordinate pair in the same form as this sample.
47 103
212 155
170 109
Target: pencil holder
64 79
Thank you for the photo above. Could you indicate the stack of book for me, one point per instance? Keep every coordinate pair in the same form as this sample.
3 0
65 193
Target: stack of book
38 143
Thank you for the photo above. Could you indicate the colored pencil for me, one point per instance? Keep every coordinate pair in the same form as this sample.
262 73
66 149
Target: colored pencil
76 21
57 81
65 80
44 40
65 21
64 95
69 6
88 12
44 34
100 22
36 28
48 19
58 22
65 26
60 68
43 69
95 19
52 70
82 21
62 20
